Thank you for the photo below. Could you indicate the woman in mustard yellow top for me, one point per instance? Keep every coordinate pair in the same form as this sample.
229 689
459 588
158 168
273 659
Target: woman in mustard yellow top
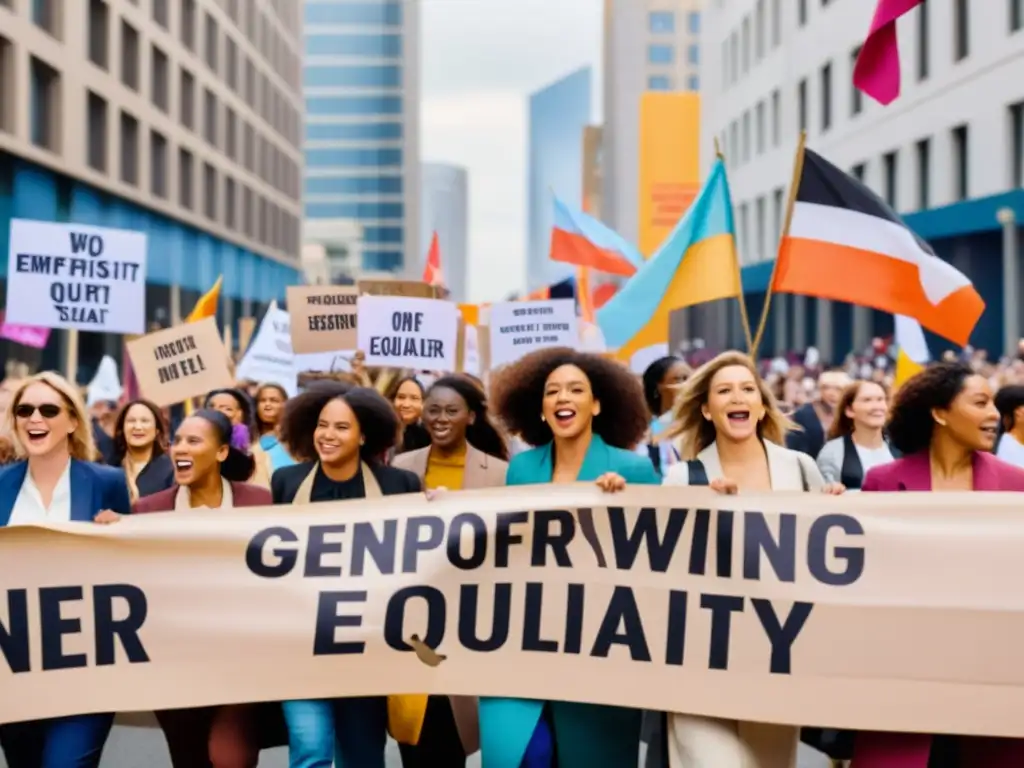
466 451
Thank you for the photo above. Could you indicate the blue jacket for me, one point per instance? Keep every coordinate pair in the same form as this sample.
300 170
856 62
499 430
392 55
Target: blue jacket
94 488
587 735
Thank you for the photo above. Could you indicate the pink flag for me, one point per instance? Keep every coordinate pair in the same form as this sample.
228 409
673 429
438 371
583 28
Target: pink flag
877 71
27 335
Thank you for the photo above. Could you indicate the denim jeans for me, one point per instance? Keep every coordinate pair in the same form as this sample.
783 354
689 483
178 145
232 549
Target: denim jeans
63 742
346 733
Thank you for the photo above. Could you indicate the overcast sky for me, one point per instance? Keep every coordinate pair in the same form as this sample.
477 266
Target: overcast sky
481 60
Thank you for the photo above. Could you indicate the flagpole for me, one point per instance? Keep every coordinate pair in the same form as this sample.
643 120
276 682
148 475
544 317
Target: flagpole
744 317
798 168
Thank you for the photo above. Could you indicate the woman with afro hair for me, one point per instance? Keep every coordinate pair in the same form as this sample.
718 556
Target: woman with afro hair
584 415
944 421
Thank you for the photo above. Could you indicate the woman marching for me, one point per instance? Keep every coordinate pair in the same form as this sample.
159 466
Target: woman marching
406 395
584 414
140 448
337 431
466 451
245 436
662 381
209 473
944 421
57 482
857 436
270 401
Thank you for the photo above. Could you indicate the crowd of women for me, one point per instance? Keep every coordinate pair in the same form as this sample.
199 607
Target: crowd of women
556 416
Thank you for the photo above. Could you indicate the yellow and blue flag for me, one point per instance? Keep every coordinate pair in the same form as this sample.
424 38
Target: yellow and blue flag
696 264
913 354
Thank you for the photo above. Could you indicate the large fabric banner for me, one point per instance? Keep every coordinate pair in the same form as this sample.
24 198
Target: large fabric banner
901 611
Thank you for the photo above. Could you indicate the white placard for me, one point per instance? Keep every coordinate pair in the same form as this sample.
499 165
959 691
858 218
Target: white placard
269 358
403 332
521 327
76 276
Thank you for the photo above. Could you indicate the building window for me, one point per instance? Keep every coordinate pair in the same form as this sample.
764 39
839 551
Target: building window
209 192
776 23
186 182
211 43
160 76
249 147
1016 15
44 115
230 133
210 117
660 54
922 42
693 54
188 23
924 172
230 63
250 83
6 85
247 211
759 127
734 56
889 171
746 136
229 202
777 212
856 97
859 171
801 105
693 83
801 12
661 22
96 116
187 100
157 164
759 229
961 165
961 31
130 56
46 16
160 15
129 149
743 241
745 43
659 83
1017 144
734 143
759 31
776 117
693 22
826 97
726 75
99 30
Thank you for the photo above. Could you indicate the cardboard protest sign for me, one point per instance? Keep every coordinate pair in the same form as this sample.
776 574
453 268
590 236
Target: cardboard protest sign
898 612
521 327
75 276
402 332
413 289
178 363
323 318
246 329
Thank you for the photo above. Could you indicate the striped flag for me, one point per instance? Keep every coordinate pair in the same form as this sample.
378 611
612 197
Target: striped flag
912 354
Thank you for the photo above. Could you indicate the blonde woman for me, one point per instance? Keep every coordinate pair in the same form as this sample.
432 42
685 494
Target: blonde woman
57 481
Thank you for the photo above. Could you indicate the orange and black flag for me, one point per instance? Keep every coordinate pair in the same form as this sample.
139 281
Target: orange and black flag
845 244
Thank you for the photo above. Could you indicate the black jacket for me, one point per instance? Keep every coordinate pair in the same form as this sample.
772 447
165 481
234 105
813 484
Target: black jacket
286 481
812 439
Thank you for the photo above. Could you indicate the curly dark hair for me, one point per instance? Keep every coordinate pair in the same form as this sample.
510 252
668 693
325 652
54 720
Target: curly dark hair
121 444
377 419
517 391
910 422
245 405
482 434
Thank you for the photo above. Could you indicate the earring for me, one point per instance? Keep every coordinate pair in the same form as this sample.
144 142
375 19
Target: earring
542 417
940 422
362 441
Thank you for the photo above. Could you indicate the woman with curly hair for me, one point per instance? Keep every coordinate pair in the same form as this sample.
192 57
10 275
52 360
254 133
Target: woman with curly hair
584 414
337 431
944 421
856 439
140 449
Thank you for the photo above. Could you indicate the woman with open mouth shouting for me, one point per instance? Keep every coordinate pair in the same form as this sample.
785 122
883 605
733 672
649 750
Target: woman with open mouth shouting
466 451
56 482
585 416
338 431
140 448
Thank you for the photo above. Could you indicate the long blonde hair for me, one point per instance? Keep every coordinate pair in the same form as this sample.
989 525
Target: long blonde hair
81 444
695 433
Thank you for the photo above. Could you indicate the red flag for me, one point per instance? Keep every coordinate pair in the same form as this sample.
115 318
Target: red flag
432 274
877 71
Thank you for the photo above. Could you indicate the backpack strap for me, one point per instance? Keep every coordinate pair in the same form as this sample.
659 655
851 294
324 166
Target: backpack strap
698 475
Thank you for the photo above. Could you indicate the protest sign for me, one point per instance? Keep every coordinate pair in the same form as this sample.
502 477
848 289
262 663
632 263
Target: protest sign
177 363
26 335
895 612
413 289
246 329
402 332
75 276
521 327
323 318
269 357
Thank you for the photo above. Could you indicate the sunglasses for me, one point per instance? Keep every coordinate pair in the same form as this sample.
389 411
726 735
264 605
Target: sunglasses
46 410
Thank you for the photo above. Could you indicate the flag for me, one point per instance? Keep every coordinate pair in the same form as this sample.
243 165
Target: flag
584 298
877 71
912 354
131 382
695 264
207 304
432 274
580 239
844 243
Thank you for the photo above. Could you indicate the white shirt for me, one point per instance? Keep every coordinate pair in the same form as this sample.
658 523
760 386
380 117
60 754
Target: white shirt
29 508
1010 450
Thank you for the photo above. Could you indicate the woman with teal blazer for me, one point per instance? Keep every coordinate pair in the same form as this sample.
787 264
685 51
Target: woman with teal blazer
583 414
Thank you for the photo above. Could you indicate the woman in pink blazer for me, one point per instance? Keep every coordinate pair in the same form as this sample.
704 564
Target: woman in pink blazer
944 421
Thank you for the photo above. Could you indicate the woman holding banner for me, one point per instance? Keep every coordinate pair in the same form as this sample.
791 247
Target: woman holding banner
140 448
466 451
59 482
585 415
857 435
338 431
944 421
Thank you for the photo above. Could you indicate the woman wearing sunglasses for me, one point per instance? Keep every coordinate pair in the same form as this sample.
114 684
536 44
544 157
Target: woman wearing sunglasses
57 482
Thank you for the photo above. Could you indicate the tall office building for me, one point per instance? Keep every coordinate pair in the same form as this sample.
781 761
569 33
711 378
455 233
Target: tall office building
445 199
361 82
558 115
649 45
178 118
